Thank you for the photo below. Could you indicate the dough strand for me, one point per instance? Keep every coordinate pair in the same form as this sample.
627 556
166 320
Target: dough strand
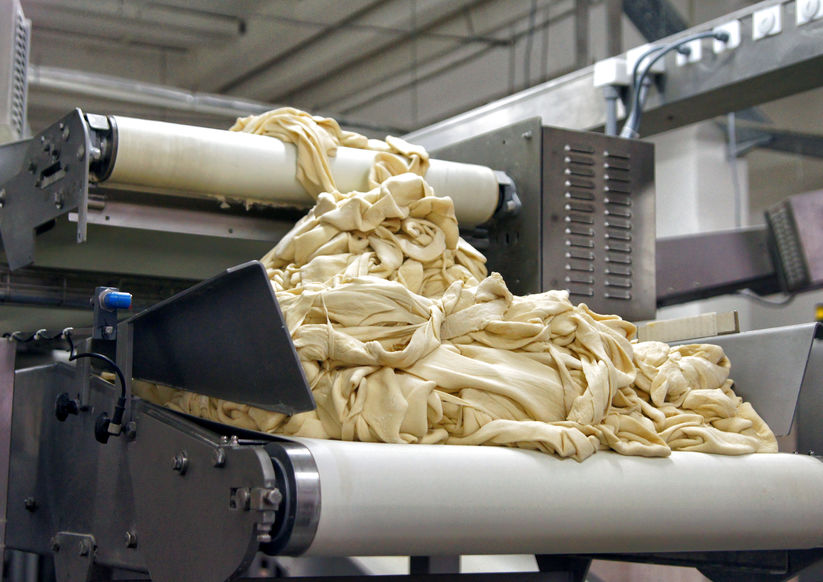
405 338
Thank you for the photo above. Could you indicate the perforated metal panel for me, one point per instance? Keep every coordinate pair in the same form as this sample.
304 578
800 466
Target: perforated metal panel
14 58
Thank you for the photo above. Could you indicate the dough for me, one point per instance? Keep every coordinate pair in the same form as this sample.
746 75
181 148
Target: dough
404 337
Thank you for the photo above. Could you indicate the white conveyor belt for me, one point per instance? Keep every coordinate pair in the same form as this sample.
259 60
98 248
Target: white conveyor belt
379 499
174 158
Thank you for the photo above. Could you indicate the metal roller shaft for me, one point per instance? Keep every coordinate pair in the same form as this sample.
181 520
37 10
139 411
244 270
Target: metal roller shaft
182 159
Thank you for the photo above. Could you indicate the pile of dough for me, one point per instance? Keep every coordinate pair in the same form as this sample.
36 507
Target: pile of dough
405 339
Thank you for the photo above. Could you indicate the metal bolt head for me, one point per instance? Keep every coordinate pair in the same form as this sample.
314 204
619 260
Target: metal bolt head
131 430
218 457
180 462
30 503
55 545
527 135
58 200
273 497
243 498
85 548
131 539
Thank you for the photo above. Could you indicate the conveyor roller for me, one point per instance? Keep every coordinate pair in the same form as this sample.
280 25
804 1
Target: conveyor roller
182 159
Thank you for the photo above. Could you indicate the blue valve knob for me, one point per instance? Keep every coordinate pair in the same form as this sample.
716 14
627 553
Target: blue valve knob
115 300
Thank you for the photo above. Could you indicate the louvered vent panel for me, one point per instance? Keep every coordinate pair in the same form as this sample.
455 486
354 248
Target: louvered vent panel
598 216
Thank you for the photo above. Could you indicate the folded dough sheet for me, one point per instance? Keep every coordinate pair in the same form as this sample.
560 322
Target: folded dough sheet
183 159
392 499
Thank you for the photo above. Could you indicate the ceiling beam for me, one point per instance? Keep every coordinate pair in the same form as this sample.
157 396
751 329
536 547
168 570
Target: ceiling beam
342 45
385 68
212 68
654 19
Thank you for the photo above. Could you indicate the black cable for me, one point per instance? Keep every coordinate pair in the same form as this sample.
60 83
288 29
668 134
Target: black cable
120 407
106 425
18 337
94 355
633 119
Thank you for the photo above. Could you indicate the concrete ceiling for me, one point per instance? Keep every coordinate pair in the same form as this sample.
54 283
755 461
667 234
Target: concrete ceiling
375 61
377 65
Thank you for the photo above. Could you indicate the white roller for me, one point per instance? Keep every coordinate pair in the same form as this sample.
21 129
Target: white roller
379 499
196 160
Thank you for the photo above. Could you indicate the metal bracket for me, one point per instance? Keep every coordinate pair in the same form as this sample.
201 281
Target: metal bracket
233 494
510 204
185 341
73 556
40 179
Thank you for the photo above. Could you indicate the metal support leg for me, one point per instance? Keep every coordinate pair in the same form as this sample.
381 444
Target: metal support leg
84 372
575 568
434 564
7 354
125 341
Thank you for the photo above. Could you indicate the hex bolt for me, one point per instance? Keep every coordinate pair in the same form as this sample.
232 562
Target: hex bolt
58 200
527 134
180 462
85 548
243 497
131 430
218 457
55 545
273 497
131 539
30 503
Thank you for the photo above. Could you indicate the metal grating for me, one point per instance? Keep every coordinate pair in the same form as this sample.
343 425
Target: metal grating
22 29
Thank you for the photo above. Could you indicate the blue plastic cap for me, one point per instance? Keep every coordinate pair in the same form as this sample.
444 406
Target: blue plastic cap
116 300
